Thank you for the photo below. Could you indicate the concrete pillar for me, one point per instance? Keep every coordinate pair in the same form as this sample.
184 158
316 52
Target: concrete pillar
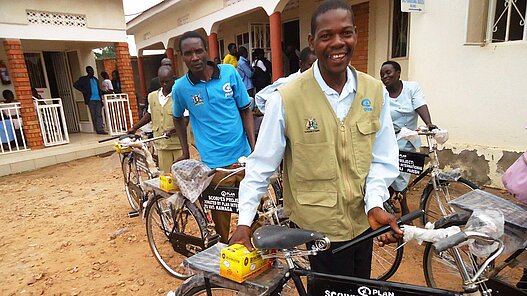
20 79
170 55
275 23
213 46
124 66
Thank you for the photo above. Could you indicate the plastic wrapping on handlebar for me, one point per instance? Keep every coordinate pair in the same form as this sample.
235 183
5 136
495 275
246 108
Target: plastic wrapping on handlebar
369 234
450 242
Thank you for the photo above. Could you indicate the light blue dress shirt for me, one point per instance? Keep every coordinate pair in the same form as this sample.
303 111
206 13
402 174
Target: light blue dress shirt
246 72
402 110
271 143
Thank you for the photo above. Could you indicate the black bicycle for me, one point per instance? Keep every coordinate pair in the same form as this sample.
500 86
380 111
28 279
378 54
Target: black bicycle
284 279
443 186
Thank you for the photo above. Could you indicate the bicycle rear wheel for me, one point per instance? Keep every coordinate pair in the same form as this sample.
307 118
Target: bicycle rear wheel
131 181
386 260
435 203
174 233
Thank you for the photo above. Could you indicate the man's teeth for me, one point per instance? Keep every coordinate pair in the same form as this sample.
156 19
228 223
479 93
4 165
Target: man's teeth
337 56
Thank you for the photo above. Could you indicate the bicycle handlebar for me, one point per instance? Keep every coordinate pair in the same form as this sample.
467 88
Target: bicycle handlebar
369 233
109 139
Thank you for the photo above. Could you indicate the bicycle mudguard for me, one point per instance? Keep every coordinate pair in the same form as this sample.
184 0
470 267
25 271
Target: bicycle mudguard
278 237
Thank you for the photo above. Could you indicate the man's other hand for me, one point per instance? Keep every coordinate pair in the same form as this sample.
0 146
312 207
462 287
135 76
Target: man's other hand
377 217
242 235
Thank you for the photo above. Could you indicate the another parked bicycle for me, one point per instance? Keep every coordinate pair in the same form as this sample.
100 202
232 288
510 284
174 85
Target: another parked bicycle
178 227
442 187
457 268
137 165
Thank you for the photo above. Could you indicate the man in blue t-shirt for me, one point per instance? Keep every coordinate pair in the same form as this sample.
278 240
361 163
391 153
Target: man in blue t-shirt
220 114
89 86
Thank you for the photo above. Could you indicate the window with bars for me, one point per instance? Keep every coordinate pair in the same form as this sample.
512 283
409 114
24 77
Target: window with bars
35 70
508 20
399 31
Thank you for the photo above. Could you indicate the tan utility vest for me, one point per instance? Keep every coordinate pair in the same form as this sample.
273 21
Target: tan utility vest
162 120
326 161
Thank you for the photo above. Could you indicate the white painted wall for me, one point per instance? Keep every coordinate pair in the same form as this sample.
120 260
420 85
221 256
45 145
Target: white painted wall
104 20
477 93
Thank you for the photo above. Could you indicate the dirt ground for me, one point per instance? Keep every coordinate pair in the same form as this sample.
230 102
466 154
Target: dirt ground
66 232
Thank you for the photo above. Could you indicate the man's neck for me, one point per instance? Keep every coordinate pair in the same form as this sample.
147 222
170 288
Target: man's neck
336 82
206 74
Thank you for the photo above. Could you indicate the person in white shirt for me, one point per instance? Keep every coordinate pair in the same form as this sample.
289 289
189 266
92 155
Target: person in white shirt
160 114
106 85
327 189
307 58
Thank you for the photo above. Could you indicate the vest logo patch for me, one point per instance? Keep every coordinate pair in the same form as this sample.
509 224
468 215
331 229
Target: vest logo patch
228 90
366 104
311 125
197 99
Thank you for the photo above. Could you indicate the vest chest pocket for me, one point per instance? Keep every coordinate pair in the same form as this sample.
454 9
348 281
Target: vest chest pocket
363 143
315 167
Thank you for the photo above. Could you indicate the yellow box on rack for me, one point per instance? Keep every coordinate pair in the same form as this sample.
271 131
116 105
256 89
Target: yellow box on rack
239 264
166 183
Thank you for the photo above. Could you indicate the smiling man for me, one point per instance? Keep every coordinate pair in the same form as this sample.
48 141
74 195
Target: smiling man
334 132
221 119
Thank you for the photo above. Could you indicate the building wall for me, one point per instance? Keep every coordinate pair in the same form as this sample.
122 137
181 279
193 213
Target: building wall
474 92
104 20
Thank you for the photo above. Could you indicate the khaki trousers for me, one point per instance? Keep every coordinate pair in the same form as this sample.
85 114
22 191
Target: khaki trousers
166 158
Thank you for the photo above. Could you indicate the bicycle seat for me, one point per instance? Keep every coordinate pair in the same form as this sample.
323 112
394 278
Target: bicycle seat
279 237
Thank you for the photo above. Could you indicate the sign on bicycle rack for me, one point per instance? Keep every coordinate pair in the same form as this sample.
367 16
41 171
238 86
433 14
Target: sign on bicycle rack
223 199
411 162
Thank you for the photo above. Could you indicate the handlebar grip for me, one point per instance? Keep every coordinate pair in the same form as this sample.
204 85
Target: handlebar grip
108 139
369 234
450 241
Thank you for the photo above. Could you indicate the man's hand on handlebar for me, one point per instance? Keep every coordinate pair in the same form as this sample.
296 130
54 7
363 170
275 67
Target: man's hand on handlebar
377 217
242 235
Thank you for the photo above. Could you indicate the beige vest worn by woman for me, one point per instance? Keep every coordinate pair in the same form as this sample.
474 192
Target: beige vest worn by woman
162 120
326 162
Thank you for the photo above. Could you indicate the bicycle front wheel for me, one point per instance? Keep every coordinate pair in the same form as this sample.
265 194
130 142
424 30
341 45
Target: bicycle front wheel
441 270
435 202
131 181
174 233
386 260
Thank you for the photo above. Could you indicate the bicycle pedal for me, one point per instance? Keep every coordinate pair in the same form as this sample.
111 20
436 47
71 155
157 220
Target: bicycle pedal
133 214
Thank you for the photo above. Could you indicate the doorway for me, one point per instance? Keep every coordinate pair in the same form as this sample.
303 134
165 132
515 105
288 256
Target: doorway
291 45
60 86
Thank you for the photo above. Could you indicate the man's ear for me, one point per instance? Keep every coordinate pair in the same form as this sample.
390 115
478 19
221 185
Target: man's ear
310 41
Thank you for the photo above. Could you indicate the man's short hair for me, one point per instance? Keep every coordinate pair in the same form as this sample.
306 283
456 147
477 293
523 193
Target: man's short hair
306 53
166 62
192 34
327 6
231 46
395 65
